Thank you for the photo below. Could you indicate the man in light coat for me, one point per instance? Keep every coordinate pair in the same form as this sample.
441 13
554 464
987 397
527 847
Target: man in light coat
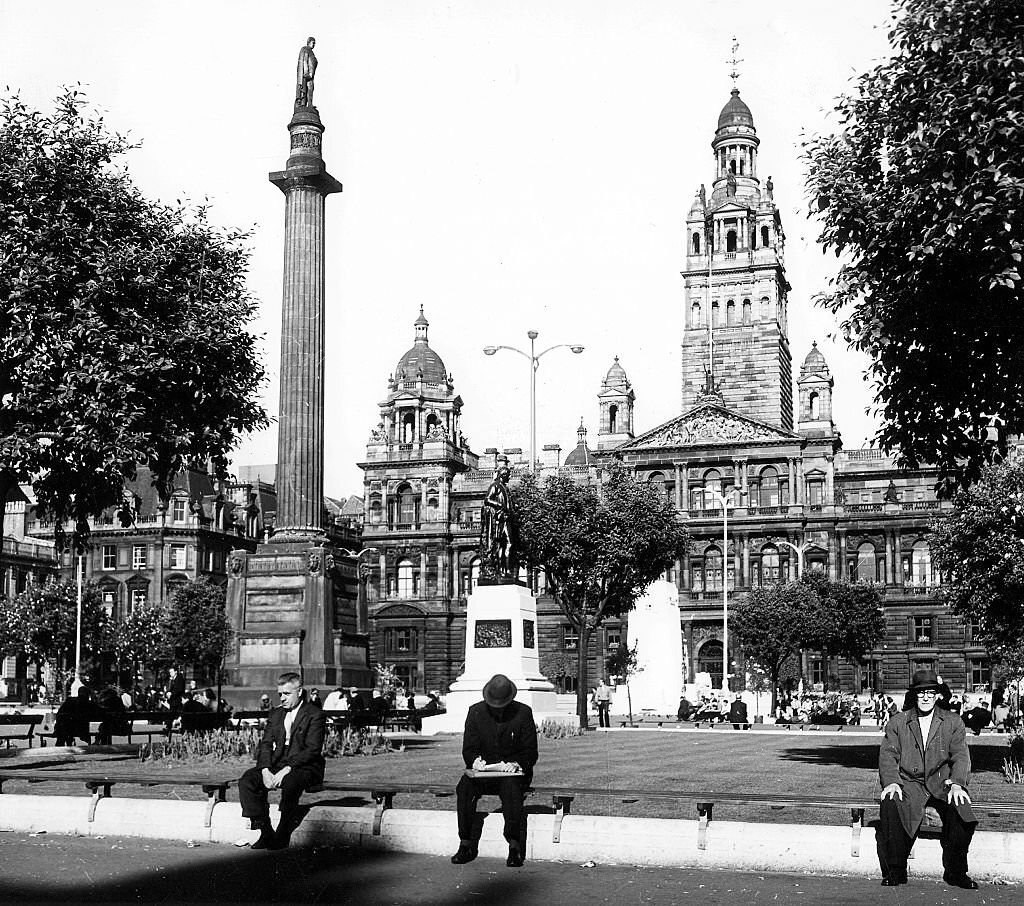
924 761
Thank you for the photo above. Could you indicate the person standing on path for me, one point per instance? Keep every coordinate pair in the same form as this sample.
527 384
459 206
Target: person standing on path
603 699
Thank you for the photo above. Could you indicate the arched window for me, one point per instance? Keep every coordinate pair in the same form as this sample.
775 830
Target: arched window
746 311
431 508
657 481
709 660
814 405
866 562
730 241
695 315
921 564
613 415
713 569
696 243
407 505
766 308
730 312
743 166
474 573
375 510
713 484
409 428
732 166
769 492
770 566
406 579
764 237
714 314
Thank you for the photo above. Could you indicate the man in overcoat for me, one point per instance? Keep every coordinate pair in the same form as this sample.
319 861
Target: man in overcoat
924 761
500 742
289 758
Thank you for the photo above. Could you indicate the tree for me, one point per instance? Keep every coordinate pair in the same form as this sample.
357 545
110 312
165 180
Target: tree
123 339
920 192
138 640
980 549
557 664
195 625
848 619
40 624
770 624
622 662
599 549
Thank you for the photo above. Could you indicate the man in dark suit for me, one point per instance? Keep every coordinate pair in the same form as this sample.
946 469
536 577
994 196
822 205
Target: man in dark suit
499 748
289 758
924 761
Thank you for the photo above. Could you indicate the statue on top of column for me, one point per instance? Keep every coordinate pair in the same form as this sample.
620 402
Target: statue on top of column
304 75
499 554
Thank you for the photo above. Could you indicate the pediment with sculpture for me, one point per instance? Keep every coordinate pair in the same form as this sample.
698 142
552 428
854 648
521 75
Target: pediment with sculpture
708 424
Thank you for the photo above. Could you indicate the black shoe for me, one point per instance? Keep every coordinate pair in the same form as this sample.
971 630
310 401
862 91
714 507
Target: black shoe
465 854
894 881
515 856
965 882
267 840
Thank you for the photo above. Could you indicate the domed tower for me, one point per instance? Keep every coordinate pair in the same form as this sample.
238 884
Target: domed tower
735 289
815 390
580 458
615 402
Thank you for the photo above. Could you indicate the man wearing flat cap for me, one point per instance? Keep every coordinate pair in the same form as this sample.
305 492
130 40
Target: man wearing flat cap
499 747
924 761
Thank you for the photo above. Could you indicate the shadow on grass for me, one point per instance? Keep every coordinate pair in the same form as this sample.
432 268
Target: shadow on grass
984 758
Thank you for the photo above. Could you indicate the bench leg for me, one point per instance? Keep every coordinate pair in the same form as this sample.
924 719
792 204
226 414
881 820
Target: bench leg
384 801
99 791
704 810
213 796
856 824
563 805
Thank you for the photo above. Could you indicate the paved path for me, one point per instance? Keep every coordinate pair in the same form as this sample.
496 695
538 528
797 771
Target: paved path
54 869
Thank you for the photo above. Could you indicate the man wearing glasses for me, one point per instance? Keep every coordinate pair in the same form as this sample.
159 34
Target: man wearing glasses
924 761
289 759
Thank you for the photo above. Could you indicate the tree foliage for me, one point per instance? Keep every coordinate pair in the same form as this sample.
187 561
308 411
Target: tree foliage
599 548
980 549
920 192
123 339
138 641
770 624
848 619
195 625
40 623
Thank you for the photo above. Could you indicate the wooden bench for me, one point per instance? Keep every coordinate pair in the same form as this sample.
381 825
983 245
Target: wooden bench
99 785
19 726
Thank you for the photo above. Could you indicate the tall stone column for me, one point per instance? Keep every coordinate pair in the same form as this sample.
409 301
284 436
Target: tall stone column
306 184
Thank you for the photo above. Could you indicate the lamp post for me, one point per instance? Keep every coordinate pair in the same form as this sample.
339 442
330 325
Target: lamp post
362 569
725 503
534 359
799 550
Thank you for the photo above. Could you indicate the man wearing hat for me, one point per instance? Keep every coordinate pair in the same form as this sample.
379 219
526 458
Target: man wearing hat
924 761
500 747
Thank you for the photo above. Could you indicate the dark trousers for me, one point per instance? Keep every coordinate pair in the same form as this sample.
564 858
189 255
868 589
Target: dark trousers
508 789
253 794
894 842
602 714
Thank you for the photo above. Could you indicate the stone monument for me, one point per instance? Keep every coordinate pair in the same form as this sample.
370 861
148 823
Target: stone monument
285 600
501 622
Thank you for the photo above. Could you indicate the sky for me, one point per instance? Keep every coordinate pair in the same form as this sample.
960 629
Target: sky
509 166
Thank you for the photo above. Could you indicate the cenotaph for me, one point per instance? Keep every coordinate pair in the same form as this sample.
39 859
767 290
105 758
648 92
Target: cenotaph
501 623
284 600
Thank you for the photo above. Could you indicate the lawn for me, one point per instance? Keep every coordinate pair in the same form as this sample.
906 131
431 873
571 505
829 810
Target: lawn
722 760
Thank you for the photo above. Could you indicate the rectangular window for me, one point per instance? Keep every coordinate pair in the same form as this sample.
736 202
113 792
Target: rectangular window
109 603
179 556
109 556
403 640
923 631
817 666
614 637
570 638
922 664
178 509
980 674
138 556
815 493
138 598
870 676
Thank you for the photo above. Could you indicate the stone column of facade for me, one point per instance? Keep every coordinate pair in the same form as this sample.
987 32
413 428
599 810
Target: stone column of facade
889 574
745 540
841 554
898 546
830 482
679 487
686 486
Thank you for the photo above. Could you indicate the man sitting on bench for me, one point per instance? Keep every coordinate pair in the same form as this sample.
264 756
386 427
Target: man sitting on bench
289 758
500 739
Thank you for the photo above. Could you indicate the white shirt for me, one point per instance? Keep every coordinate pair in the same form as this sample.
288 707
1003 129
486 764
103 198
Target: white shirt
289 719
925 720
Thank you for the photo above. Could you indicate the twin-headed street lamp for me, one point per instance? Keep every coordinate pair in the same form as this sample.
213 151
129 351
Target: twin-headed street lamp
534 359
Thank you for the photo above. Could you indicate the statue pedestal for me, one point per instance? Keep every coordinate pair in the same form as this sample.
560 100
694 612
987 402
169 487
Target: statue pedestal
501 637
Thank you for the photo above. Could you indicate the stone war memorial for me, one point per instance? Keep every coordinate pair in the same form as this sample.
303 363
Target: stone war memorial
284 599
501 621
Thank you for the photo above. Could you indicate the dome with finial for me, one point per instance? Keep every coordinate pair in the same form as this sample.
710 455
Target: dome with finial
581 455
421 362
697 209
815 361
616 375
735 113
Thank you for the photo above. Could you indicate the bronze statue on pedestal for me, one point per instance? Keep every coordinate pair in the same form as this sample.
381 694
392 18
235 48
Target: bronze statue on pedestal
499 542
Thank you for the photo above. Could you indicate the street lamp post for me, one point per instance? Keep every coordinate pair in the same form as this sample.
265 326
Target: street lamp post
362 576
534 359
799 550
725 503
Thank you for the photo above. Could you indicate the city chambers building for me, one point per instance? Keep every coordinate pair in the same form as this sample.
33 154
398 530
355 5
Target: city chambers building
800 501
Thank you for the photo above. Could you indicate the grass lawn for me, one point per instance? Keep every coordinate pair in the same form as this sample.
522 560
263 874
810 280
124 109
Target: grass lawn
722 761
